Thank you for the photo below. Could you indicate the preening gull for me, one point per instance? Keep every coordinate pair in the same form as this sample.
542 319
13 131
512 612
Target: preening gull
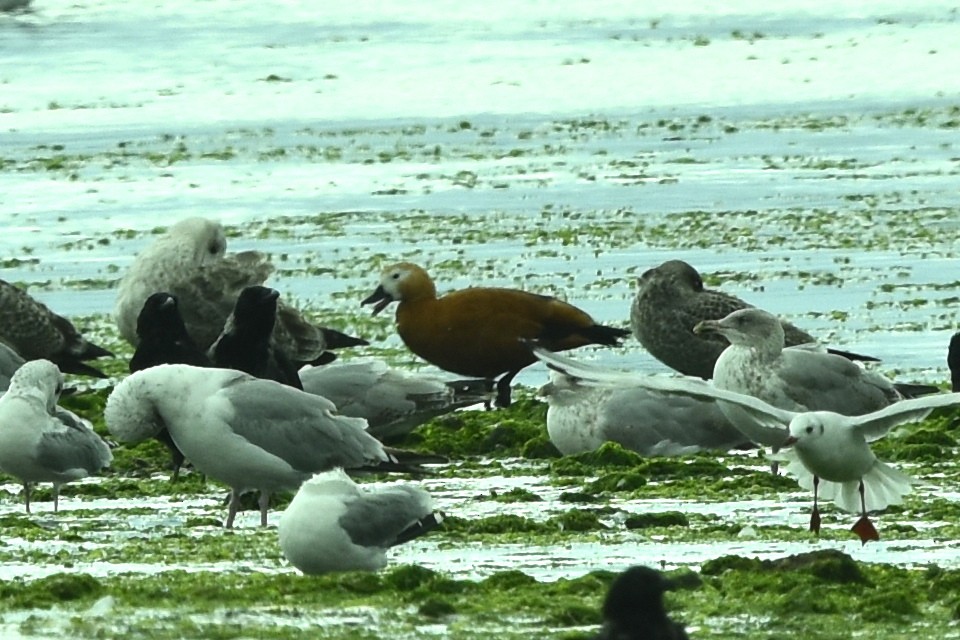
163 339
633 609
582 417
31 329
477 331
41 442
246 342
191 262
671 299
833 455
334 525
248 433
393 402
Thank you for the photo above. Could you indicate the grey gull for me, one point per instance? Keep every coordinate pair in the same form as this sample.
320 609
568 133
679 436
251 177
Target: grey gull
832 455
249 433
31 329
392 401
581 418
671 299
334 525
41 442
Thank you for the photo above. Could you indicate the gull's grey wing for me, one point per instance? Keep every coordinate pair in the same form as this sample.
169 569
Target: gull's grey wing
824 382
377 520
298 427
70 447
875 425
762 414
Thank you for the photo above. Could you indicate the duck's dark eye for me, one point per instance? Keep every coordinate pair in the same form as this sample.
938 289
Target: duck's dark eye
697 284
395 276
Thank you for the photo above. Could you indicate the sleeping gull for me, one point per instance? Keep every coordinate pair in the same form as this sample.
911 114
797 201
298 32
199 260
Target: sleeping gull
393 402
41 442
333 525
581 418
633 608
248 433
671 299
191 262
246 342
31 329
833 455
163 339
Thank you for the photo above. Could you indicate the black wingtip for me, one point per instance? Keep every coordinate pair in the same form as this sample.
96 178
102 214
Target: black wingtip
425 525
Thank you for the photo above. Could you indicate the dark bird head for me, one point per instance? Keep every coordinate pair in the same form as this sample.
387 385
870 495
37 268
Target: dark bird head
256 310
160 316
635 600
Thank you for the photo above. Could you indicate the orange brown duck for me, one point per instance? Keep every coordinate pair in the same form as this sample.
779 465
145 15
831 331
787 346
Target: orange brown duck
479 331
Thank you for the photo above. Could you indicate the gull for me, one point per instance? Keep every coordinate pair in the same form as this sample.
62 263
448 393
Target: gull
35 332
633 608
41 442
334 525
833 455
249 433
393 402
581 418
671 299
191 262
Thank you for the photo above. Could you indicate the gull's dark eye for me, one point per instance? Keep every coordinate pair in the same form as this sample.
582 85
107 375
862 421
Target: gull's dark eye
698 284
810 429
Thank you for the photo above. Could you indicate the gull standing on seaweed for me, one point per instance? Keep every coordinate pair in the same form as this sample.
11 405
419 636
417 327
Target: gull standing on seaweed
671 299
35 332
334 525
249 433
41 442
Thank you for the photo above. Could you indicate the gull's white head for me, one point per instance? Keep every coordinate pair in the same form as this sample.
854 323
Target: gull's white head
40 379
205 237
746 327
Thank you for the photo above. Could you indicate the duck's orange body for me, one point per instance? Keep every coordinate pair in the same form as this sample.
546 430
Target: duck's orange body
479 331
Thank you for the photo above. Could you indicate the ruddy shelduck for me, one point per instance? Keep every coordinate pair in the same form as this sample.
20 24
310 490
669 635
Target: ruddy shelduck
481 331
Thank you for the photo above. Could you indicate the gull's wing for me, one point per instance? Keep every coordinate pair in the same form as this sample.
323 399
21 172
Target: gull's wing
298 427
763 414
876 425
